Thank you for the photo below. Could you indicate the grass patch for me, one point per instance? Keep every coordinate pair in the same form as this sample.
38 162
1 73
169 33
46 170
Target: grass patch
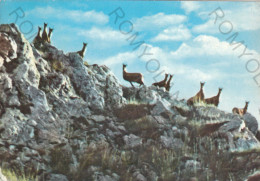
203 104
133 111
60 161
57 65
106 157
144 123
102 155
164 161
146 127
135 101
86 64
13 176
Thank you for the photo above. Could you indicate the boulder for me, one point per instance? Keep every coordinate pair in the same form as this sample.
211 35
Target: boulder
251 123
8 50
132 141
161 106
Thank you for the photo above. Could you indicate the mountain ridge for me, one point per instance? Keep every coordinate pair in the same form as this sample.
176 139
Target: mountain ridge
63 120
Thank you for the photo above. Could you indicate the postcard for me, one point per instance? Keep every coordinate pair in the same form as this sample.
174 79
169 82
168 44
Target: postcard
129 90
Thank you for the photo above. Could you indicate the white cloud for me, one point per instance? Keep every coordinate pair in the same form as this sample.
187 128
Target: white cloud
199 48
73 15
165 59
242 18
212 28
125 57
203 45
245 18
159 20
208 27
190 6
188 72
206 46
104 34
179 33
104 38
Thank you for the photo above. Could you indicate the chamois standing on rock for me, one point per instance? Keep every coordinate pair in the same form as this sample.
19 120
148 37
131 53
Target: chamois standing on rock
38 38
198 97
168 84
82 51
240 111
214 100
49 35
132 77
44 33
161 83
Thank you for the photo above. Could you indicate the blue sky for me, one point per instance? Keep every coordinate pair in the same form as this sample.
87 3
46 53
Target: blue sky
181 36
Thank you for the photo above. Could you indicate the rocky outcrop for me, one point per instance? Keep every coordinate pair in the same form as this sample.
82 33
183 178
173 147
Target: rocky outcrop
251 123
61 119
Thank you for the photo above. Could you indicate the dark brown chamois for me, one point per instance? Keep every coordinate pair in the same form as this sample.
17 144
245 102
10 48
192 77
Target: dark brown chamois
214 100
199 97
82 52
132 77
44 33
254 177
161 83
38 38
168 84
240 111
49 35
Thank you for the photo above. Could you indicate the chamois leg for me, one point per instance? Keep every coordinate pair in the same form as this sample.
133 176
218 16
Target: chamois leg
235 111
132 84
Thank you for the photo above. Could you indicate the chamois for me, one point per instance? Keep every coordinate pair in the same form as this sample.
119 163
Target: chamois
38 38
255 177
44 33
49 35
198 97
240 111
214 100
132 77
161 83
82 52
168 84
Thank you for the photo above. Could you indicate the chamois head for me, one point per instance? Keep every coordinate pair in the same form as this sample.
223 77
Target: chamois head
202 84
51 30
247 102
39 28
124 66
220 90
85 44
166 76
45 25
